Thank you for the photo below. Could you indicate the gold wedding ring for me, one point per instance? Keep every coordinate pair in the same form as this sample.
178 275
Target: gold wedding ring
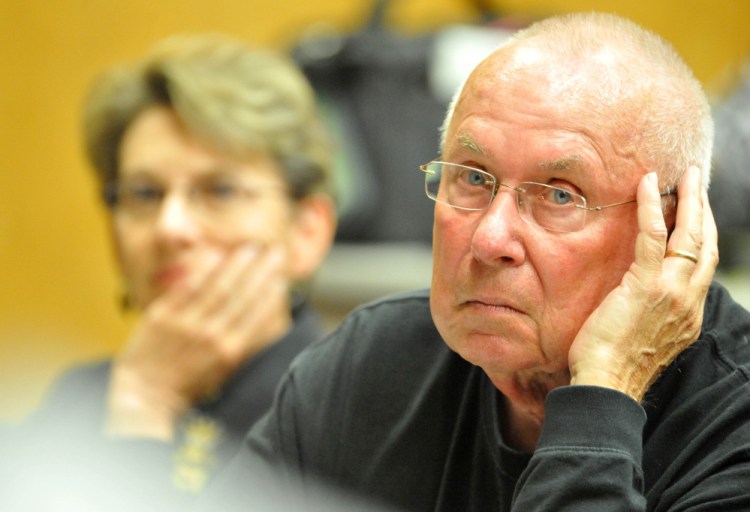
682 254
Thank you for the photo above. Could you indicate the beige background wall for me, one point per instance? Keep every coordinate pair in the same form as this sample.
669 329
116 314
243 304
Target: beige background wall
58 286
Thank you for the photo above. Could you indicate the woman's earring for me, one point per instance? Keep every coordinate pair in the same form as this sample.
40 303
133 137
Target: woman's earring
126 300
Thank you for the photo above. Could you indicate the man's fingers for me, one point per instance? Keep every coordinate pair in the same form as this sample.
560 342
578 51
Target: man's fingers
652 237
683 250
708 257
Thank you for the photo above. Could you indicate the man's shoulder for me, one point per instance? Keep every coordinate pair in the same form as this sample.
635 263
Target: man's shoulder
395 327
716 365
726 325
392 318
701 400
414 301
385 364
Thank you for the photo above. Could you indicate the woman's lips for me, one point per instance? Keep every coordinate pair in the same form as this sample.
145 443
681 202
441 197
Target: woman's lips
167 276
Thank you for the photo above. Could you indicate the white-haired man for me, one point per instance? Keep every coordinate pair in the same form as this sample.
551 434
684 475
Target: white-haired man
572 353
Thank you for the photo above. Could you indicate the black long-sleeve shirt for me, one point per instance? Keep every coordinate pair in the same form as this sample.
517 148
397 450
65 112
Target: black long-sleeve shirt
382 407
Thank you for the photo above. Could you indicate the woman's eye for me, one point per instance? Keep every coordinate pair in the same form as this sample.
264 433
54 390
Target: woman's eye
221 191
143 194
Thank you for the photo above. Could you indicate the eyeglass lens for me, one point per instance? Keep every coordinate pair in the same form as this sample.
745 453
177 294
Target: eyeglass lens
213 199
552 208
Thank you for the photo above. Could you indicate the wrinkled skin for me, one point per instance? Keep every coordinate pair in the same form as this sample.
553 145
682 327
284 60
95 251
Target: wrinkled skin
537 309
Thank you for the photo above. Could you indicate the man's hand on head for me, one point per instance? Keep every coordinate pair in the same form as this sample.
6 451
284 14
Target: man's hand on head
657 310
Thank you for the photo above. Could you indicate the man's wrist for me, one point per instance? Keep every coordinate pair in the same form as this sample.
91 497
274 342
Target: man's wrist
606 379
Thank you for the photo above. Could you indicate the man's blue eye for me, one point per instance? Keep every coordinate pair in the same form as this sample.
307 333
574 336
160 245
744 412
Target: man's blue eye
475 178
562 197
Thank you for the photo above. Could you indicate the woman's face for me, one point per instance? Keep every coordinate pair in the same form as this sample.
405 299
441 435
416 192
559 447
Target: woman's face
182 204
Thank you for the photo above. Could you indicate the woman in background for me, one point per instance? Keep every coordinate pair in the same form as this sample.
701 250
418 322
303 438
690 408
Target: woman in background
213 164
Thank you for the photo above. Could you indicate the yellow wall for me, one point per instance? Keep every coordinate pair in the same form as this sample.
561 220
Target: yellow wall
58 285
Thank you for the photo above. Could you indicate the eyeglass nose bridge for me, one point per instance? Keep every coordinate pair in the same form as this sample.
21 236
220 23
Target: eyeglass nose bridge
520 197
180 206
187 199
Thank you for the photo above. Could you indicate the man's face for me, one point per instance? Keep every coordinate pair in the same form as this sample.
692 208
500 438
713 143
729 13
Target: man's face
165 245
507 295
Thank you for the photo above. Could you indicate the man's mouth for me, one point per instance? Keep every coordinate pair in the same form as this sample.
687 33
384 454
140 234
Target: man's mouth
492 307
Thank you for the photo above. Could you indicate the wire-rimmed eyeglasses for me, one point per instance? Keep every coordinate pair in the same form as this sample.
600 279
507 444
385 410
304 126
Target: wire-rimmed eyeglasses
467 188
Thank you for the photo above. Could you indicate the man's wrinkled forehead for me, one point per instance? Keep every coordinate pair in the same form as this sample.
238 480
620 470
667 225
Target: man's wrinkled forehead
566 162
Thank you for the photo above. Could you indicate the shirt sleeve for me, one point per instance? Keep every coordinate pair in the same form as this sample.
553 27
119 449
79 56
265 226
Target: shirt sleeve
589 454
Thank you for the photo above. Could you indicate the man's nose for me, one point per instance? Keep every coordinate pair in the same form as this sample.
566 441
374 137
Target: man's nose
497 235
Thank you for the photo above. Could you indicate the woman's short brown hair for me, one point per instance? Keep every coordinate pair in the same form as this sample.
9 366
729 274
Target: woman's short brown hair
239 100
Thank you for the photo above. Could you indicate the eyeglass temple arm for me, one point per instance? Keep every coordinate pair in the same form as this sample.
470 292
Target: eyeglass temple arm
599 208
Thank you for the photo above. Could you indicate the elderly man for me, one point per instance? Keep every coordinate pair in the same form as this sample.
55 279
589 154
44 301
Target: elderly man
570 354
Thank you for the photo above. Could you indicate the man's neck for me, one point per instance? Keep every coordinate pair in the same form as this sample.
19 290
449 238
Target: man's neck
520 428
521 410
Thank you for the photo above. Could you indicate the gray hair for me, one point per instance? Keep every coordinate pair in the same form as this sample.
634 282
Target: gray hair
652 93
239 100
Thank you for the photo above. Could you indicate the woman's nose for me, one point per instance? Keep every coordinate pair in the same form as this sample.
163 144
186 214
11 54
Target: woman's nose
177 218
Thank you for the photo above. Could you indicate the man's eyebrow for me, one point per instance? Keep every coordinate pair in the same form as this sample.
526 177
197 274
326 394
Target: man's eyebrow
465 140
565 163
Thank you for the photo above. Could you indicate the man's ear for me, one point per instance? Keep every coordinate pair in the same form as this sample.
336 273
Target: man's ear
313 231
